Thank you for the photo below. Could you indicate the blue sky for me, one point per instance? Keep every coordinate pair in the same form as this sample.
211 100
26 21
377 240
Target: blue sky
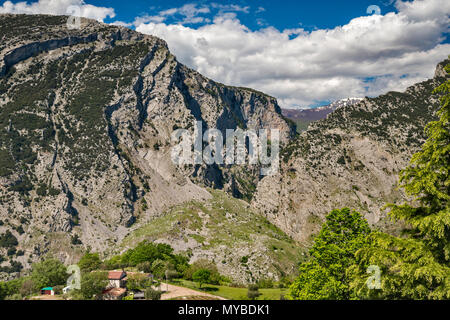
284 14
304 53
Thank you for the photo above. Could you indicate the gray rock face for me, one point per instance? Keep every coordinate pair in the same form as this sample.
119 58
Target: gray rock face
86 118
350 159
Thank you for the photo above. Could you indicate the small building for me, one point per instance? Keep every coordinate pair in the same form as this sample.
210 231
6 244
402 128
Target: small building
114 293
117 279
47 291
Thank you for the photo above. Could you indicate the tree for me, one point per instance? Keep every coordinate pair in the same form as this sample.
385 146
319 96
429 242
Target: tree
324 277
171 274
113 263
3 290
416 266
158 268
145 267
90 262
203 264
93 283
201 276
253 292
27 288
50 272
137 282
152 294
147 251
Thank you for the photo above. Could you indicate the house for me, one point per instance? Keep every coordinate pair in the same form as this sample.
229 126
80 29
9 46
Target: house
114 293
117 279
47 291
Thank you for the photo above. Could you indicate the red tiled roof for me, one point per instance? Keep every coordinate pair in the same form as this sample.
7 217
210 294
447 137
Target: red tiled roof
116 292
116 275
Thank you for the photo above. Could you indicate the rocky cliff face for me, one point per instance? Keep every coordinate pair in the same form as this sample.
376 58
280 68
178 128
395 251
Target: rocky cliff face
352 158
86 118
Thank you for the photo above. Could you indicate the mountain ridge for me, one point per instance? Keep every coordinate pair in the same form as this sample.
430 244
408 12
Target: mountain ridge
86 152
349 159
85 141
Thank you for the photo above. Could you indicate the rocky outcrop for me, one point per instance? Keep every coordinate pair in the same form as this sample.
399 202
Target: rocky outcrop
350 159
86 118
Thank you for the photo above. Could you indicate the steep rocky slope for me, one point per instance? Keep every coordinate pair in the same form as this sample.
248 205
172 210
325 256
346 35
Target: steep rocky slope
224 230
85 122
351 158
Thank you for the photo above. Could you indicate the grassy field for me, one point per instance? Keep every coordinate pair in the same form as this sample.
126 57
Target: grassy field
232 293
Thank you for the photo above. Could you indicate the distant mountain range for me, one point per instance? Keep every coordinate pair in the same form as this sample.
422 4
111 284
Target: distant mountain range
303 117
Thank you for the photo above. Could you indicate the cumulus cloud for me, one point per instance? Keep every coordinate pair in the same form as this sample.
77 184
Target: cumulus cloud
57 7
368 56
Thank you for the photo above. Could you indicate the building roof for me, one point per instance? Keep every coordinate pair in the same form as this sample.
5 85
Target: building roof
47 289
116 275
115 292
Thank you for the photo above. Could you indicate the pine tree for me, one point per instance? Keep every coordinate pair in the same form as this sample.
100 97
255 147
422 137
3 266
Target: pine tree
416 266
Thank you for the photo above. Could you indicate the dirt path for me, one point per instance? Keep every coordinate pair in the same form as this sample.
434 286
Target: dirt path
177 292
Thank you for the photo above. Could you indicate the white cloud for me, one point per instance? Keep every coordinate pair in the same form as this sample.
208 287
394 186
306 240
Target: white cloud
121 24
301 68
260 9
57 7
230 8
190 14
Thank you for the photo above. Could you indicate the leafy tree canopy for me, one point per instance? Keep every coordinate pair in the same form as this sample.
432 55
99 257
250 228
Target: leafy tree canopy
50 272
90 262
324 277
201 276
93 284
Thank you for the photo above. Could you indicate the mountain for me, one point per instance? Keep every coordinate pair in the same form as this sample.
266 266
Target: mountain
303 117
86 118
350 159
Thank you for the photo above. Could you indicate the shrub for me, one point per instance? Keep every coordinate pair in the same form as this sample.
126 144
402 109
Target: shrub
265 283
15 296
201 276
151 294
253 292
75 240
11 252
8 240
